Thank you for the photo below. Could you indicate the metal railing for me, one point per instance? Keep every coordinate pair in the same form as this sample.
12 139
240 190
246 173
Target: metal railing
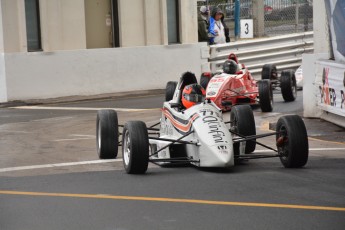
283 51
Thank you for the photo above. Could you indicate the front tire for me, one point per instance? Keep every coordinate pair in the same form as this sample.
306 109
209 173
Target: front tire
107 134
288 85
292 141
135 147
242 122
265 95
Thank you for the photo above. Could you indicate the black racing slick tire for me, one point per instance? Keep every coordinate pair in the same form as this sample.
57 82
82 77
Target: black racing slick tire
242 122
135 147
204 80
269 71
292 141
170 90
265 95
288 85
107 134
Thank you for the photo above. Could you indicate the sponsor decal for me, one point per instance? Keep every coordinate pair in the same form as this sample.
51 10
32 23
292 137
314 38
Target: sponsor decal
331 95
222 147
214 129
212 93
328 95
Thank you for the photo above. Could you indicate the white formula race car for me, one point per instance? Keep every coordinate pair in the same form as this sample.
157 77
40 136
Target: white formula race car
198 136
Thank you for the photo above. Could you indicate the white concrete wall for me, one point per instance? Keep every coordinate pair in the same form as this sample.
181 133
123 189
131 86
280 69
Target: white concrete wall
311 68
3 88
321 39
98 71
310 90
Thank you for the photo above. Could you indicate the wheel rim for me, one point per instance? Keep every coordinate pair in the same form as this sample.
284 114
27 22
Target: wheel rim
99 138
283 151
126 148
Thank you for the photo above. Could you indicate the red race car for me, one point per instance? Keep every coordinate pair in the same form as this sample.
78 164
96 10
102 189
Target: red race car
235 85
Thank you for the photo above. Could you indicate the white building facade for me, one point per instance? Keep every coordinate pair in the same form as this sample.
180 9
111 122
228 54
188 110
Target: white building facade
58 48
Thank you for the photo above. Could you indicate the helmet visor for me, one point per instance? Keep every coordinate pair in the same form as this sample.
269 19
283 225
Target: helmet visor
194 97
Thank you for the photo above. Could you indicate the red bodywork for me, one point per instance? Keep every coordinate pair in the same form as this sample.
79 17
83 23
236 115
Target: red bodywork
226 90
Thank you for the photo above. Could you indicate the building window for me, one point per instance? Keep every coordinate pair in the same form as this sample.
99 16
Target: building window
173 22
115 23
33 28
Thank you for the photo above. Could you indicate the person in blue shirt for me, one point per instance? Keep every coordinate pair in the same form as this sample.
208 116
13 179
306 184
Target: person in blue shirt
218 31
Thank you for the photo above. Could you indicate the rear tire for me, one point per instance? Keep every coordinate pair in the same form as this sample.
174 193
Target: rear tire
242 122
294 148
265 95
269 71
170 90
288 85
107 134
135 147
204 80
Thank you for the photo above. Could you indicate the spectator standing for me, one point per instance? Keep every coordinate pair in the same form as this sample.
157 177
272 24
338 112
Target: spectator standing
203 24
218 31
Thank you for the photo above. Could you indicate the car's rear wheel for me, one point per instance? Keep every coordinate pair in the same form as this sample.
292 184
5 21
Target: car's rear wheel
265 95
204 80
170 90
135 147
242 122
269 71
292 141
288 85
107 134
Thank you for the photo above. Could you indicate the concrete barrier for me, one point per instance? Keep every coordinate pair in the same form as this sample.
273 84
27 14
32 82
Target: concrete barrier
43 75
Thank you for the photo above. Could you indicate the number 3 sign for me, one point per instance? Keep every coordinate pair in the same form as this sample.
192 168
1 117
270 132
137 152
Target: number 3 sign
247 28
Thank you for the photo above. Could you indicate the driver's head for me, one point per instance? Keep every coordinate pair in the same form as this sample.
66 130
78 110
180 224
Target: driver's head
230 67
192 94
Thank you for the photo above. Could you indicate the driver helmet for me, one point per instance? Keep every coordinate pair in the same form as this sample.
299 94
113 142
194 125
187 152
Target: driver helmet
230 67
192 94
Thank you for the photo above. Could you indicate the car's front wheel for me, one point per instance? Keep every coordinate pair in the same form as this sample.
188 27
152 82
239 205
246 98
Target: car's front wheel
242 122
292 141
135 147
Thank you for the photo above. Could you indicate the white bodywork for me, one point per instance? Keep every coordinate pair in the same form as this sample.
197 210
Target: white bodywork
299 77
211 141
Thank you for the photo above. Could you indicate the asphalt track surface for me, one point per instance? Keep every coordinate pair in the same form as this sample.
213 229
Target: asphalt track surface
51 178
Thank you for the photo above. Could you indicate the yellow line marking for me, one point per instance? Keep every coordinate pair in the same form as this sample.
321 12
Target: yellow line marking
174 200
